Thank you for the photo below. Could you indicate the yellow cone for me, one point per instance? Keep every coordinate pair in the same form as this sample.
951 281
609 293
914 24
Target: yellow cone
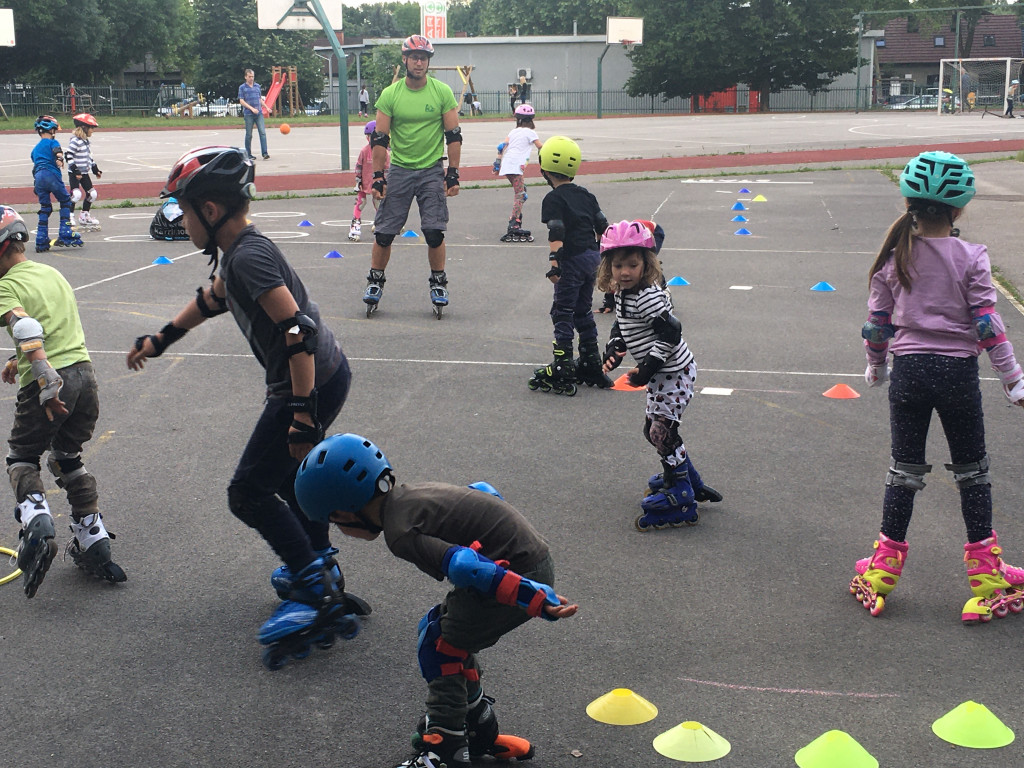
691 742
972 725
835 749
622 707
760 199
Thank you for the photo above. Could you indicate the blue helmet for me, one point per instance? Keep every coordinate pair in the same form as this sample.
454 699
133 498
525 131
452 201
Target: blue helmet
343 472
940 177
46 123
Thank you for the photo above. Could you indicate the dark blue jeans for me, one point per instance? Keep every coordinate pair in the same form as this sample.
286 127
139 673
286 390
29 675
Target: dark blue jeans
574 295
257 118
46 183
265 477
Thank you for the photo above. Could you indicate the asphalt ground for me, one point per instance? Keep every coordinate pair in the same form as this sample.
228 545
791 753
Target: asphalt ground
743 623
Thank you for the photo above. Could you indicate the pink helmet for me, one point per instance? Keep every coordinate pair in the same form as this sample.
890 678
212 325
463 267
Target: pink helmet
627 234
524 110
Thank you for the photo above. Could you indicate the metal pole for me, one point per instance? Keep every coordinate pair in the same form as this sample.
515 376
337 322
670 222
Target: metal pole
600 59
860 38
332 38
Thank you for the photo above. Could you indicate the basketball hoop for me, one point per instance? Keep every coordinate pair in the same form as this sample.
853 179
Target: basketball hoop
628 45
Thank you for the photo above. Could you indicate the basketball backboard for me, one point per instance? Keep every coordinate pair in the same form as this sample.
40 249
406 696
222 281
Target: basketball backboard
6 28
296 14
622 29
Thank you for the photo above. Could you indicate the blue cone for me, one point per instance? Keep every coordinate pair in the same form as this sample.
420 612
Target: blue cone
744 191
739 218
678 281
333 255
742 231
409 233
739 206
162 260
305 223
822 286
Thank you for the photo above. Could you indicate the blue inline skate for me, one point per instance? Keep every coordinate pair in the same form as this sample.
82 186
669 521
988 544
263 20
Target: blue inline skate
438 292
701 491
672 506
296 626
283 582
374 290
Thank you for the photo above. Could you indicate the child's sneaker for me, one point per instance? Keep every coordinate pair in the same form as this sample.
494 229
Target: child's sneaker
997 586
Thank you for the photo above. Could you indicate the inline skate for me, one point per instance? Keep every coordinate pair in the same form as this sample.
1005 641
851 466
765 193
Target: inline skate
374 290
998 587
589 367
672 506
90 549
438 747
67 237
438 292
516 233
283 582
88 223
559 376
483 737
296 626
36 547
701 491
877 575
355 230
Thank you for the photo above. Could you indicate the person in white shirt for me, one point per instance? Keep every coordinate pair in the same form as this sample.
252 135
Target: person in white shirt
514 158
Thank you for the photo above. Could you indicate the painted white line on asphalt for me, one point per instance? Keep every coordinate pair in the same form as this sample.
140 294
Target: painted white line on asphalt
276 214
131 272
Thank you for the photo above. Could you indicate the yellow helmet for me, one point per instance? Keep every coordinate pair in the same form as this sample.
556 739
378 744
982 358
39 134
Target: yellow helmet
560 154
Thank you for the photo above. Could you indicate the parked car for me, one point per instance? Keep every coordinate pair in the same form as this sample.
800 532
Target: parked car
223 108
926 101
318 108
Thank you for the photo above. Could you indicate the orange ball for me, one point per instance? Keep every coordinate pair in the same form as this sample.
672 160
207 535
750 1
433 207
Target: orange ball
285 128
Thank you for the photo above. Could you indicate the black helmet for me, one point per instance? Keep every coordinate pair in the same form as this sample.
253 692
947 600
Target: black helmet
12 226
211 170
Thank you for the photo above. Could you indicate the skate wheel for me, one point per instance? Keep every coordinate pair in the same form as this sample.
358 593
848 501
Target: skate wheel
370 309
325 642
273 659
529 239
866 601
438 311
348 627
1001 611
300 655
876 609
1017 605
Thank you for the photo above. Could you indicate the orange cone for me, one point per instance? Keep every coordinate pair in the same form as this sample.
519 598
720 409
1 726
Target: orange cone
622 385
841 392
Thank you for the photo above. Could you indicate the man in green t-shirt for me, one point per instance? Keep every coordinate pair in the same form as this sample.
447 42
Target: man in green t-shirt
416 117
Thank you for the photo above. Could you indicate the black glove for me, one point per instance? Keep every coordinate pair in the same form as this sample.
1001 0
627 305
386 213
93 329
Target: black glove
613 353
647 368
379 182
170 332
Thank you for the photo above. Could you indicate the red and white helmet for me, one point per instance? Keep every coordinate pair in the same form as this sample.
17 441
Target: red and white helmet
627 234
415 43
12 226
524 110
84 119
216 170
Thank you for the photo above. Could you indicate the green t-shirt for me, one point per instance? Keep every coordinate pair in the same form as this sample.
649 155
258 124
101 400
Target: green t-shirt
44 294
417 127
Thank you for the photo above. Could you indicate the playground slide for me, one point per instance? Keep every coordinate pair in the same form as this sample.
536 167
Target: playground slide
271 95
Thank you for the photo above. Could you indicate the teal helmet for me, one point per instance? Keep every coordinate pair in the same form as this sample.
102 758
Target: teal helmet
938 176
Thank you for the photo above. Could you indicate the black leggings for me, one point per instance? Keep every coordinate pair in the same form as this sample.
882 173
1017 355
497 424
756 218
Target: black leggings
949 386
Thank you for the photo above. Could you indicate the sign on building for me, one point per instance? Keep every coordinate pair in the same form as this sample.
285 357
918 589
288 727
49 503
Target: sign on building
434 18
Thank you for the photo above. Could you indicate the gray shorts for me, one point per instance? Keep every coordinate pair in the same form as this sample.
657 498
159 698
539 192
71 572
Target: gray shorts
404 184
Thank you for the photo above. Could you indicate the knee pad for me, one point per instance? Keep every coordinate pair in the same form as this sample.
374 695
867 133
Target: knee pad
45 209
383 240
76 195
251 510
975 473
663 434
908 475
93 195
65 469
434 237
438 658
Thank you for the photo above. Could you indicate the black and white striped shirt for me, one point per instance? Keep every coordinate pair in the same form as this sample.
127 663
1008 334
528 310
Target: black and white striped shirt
78 156
635 313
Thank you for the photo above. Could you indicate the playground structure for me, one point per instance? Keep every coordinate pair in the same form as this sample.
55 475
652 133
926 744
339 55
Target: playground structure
284 79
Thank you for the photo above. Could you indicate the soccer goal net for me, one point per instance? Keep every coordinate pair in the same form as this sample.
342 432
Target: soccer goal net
968 85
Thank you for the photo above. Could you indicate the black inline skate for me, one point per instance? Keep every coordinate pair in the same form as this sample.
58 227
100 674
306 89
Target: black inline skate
483 737
558 377
588 367
36 547
438 292
516 233
374 290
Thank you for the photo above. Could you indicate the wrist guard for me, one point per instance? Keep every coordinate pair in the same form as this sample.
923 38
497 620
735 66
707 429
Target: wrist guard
451 178
379 182
95 169
205 309
555 271
649 366
614 352
49 380
305 433
465 567
73 170
170 333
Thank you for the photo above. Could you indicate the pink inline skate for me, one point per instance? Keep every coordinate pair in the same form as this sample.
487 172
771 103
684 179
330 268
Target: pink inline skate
877 575
997 586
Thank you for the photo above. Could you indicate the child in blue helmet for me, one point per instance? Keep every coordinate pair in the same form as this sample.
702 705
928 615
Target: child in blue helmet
499 565
47 164
364 180
932 305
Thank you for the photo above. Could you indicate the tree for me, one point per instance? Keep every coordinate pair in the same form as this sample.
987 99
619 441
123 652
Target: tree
379 67
228 41
545 17
383 20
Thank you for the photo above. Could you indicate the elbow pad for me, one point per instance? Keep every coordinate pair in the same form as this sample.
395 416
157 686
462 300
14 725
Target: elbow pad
378 139
668 328
454 136
989 326
27 333
600 223
556 231
205 309
467 568
300 324
878 330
